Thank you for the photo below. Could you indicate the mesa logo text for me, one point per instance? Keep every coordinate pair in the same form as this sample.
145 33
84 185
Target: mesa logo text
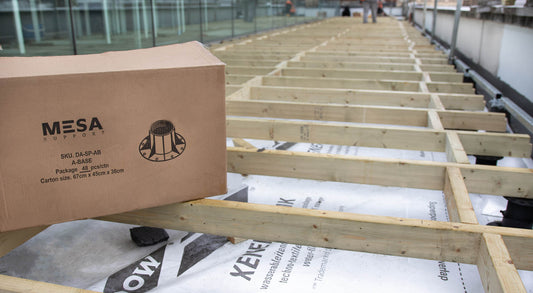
73 128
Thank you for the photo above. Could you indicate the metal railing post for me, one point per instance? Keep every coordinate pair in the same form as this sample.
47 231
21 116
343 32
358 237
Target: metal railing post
455 31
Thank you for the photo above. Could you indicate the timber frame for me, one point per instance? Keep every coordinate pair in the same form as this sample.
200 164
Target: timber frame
341 82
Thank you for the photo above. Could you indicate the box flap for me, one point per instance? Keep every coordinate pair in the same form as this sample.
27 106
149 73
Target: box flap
191 54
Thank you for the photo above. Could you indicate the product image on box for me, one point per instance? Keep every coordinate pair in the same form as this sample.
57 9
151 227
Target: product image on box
163 143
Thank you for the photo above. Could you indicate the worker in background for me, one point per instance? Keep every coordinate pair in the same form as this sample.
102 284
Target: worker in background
381 12
290 10
346 11
373 6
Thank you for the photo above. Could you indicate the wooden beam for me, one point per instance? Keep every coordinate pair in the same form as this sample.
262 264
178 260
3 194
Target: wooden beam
346 52
516 182
255 54
366 97
489 121
11 239
230 89
357 59
446 77
246 70
258 57
239 142
433 54
434 61
374 234
363 48
495 266
434 120
454 149
359 84
494 144
520 249
446 241
435 102
366 114
346 134
353 74
352 65
250 62
375 136
238 79
462 101
341 96
449 87
13 285
457 198
437 68
279 50
328 112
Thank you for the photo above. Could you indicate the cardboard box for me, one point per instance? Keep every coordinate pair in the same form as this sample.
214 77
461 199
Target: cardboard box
92 135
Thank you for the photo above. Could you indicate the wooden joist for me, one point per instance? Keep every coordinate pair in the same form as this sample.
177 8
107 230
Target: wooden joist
366 114
367 84
364 97
447 241
516 182
376 136
372 74
352 65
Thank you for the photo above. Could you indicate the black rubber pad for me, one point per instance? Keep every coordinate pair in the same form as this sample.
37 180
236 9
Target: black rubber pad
146 236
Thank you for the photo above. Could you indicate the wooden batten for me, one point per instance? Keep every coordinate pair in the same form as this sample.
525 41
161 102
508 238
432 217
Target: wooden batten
230 89
353 74
437 68
426 239
495 266
364 84
407 138
343 52
388 172
462 101
457 198
340 96
250 63
383 235
336 58
245 70
352 65
450 88
366 114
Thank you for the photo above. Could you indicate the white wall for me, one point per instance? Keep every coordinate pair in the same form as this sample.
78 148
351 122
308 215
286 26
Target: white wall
490 47
516 62
504 50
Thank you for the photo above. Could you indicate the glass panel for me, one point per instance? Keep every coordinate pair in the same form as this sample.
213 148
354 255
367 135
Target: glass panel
244 17
264 14
109 25
112 25
217 19
39 28
309 10
276 13
177 21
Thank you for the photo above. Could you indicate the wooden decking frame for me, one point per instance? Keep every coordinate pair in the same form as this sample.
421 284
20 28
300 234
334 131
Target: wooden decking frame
331 82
